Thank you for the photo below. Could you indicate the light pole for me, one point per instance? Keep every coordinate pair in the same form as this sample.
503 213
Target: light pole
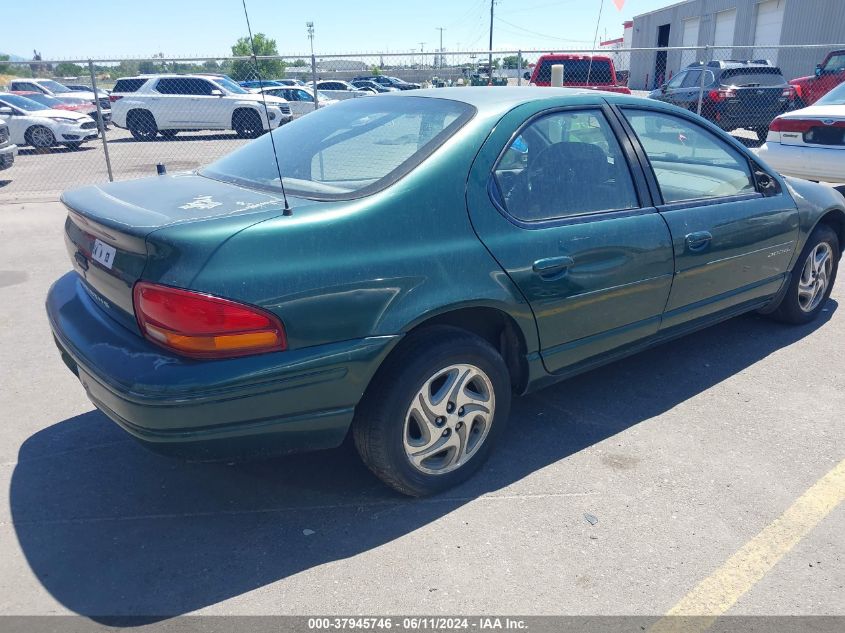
310 27
441 29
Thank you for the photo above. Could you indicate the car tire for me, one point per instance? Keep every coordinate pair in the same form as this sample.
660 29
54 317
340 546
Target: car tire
247 123
445 394
812 278
142 125
168 134
40 137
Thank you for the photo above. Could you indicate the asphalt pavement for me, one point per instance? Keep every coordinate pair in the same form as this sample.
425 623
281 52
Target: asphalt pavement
617 492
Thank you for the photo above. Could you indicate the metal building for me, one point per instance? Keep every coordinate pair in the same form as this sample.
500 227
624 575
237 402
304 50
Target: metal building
755 24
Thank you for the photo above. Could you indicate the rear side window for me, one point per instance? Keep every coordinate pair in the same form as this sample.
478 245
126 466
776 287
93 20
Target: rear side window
128 85
752 77
564 164
184 86
688 161
576 71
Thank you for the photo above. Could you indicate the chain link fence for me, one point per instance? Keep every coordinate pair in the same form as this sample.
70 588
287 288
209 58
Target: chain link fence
114 119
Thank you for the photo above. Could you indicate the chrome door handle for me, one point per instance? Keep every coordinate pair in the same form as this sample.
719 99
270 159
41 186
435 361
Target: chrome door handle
699 241
551 266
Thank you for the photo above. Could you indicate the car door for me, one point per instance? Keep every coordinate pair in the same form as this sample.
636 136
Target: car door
734 231
667 92
554 197
18 122
207 104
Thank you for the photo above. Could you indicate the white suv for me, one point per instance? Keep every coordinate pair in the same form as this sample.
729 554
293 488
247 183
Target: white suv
148 105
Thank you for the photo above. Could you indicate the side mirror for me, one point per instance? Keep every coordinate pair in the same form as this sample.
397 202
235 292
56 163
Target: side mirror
6 111
663 87
767 185
216 93
526 76
818 70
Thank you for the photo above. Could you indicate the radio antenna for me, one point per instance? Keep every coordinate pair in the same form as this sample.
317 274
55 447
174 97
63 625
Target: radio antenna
595 40
288 210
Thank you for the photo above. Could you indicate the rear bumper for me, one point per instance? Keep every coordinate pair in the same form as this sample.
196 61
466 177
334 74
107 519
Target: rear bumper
810 163
268 404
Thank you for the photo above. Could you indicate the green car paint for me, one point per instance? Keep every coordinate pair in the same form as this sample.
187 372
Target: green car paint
350 277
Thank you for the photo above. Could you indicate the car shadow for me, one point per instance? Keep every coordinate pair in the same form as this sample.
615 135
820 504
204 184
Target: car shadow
231 136
35 151
114 532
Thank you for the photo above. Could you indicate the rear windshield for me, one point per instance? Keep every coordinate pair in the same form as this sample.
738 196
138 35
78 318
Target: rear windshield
346 150
834 97
128 85
576 71
752 77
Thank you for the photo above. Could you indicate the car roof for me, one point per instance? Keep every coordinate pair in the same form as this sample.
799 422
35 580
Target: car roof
553 56
503 98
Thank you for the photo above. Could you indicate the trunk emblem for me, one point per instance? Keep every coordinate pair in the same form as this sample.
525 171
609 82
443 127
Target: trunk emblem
828 121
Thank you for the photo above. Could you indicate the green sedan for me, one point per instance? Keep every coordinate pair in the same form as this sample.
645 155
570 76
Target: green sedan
394 269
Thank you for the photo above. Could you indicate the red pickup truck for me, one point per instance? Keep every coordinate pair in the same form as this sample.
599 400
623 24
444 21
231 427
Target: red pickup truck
579 71
829 74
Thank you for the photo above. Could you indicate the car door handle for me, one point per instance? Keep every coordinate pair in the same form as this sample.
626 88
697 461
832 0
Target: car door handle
550 266
699 241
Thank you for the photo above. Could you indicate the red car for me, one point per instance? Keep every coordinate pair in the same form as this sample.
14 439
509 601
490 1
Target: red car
829 74
75 105
579 71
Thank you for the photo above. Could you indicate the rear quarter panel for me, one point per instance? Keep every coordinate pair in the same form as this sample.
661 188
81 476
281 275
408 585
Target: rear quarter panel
374 266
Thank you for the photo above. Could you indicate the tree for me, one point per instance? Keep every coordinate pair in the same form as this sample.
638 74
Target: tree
300 63
66 69
4 68
266 68
210 65
148 67
511 61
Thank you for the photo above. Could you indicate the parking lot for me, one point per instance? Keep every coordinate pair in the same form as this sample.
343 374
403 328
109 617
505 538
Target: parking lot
620 492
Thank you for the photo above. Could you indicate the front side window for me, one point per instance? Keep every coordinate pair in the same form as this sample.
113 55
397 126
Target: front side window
689 162
346 151
234 88
564 164
835 64
677 80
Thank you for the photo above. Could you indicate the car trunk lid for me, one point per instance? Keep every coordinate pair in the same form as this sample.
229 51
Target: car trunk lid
110 230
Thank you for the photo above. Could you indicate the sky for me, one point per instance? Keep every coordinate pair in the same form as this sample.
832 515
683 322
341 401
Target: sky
189 28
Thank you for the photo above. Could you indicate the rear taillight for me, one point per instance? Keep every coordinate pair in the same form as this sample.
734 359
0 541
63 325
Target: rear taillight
114 98
721 94
793 125
204 326
788 92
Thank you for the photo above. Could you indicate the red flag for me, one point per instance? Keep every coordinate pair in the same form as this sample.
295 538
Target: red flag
619 4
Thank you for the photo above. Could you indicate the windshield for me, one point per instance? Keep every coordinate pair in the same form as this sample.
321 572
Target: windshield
834 97
753 77
54 86
22 103
349 150
230 85
44 99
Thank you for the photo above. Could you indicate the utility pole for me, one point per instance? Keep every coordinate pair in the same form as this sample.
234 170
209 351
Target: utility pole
422 58
490 48
441 29
310 27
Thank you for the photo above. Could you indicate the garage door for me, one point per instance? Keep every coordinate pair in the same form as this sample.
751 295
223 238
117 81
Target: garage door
690 38
767 28
724 33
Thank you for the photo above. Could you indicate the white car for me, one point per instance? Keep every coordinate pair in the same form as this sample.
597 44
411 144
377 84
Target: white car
300 98
810 142
149 105
30 123
55 89
339 90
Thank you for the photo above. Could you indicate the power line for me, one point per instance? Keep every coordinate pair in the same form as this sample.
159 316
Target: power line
543 35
